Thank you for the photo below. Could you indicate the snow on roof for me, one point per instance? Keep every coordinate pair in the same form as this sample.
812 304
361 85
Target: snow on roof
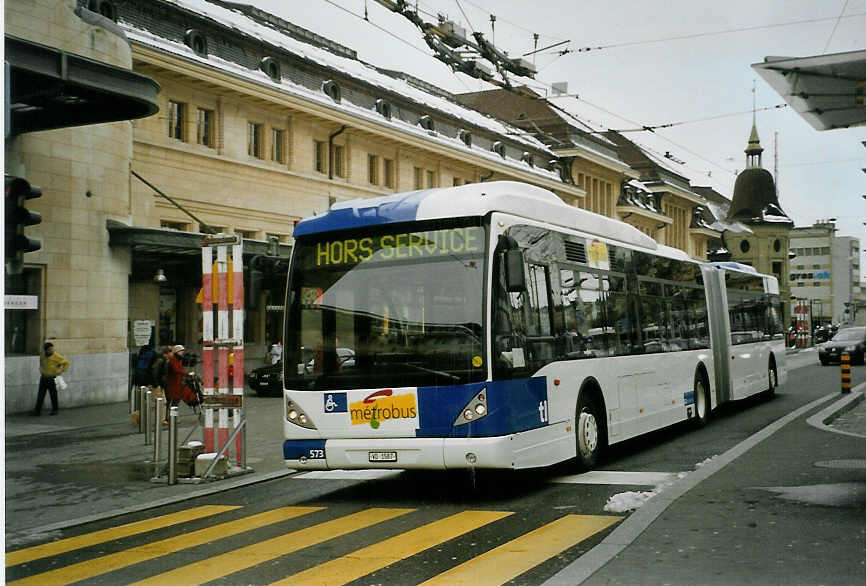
352 68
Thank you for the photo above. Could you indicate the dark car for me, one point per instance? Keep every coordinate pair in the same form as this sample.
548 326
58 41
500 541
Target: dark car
849 340
825 332
267 380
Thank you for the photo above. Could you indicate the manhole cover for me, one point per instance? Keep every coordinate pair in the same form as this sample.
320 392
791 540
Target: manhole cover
852 464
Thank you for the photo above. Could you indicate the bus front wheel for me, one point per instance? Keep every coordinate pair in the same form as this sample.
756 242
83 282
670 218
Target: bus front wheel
590 430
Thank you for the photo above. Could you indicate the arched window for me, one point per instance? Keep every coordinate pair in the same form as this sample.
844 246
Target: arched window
383 107
427 123
332 90
196 41
103 7
271 67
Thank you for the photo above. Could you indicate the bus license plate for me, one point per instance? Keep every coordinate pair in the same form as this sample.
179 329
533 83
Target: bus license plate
383 456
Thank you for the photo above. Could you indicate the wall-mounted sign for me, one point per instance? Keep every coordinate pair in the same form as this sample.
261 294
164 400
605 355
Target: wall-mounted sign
21 302
141 331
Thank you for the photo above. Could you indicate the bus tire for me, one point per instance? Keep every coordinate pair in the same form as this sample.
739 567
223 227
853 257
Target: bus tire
589 432
702 401
773 378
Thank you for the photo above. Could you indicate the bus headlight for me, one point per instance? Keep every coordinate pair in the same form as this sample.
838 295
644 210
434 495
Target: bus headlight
296 415
474 410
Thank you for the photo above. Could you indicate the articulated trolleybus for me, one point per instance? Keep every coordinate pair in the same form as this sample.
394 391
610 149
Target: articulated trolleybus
494 326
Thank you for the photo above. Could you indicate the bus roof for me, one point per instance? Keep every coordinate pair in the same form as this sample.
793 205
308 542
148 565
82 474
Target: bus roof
735 266
474 199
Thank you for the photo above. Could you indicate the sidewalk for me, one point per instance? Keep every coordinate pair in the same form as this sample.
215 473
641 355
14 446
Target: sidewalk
90 462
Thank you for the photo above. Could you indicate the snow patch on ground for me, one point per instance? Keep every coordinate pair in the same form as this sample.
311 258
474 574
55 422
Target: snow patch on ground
632 500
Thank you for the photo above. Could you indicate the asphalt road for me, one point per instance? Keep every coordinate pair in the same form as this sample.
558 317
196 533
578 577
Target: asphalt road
494 527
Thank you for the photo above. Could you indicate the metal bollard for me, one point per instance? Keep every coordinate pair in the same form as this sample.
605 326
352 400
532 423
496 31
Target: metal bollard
138 405
145 415
243 455
172 445
157 438
846 373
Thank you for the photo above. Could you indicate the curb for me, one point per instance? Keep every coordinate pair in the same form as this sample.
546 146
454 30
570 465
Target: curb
636 523
826 416
217 486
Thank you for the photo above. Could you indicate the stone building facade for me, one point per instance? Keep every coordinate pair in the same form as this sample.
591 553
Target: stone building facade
81 283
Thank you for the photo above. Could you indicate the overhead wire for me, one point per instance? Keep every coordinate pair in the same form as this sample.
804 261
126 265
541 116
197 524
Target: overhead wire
715 33
593 126
389 33
835 26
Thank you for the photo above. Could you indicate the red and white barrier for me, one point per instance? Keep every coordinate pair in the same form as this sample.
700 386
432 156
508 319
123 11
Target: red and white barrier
225 276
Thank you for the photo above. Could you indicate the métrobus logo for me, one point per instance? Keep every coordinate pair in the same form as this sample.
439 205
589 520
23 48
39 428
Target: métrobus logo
382 406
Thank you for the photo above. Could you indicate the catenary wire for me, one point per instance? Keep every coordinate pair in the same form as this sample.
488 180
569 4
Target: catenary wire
835 26
713 33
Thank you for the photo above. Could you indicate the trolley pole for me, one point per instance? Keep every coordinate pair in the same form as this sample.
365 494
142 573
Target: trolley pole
172 445
846 373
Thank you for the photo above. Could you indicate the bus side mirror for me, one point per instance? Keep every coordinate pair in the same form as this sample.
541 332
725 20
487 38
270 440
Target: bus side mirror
515 278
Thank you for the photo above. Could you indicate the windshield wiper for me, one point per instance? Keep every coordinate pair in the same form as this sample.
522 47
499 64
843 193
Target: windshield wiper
431 371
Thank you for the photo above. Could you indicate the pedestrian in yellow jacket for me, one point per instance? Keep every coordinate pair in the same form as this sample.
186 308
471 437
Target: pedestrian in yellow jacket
51 364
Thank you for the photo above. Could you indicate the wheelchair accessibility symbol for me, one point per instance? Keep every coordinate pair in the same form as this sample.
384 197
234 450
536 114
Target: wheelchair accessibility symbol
336 403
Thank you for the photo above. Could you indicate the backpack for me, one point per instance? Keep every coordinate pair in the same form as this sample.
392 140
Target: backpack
159 370
145 359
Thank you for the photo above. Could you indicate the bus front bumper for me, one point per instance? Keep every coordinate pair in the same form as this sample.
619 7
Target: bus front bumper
400 453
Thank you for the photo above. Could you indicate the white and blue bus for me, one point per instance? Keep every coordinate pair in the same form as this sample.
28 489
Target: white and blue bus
494 326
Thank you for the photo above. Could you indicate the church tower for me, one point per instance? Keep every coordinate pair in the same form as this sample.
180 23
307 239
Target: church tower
756 205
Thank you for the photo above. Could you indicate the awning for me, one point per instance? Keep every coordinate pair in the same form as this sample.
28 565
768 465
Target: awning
48 88
163 248
827 90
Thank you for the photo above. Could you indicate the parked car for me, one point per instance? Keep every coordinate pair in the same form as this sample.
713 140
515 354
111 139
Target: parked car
267 380
825 332
345 356
850 340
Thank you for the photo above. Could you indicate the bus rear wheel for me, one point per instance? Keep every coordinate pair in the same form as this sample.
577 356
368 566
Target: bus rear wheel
773 381
702 401
589 433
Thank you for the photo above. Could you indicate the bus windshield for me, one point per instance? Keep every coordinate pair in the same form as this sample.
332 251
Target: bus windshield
393 308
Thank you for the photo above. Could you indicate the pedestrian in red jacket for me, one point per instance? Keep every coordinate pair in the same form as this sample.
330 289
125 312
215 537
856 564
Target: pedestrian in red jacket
174 380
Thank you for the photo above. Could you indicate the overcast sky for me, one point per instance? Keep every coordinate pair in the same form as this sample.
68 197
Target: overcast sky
645 73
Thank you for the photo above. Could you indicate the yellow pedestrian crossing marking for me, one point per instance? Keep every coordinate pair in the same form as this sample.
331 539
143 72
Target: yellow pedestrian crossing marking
369 559
519 555
496 566
252 555
128 557
13 558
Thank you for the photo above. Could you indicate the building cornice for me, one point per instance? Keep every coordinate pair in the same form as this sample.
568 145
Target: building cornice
676 191
235 84
704 232
598 159
626 211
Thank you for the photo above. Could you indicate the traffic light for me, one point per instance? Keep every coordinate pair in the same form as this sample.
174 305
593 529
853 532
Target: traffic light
18 191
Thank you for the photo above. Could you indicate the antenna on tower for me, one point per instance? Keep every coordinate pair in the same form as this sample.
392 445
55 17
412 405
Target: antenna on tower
493 28
535 48
776 161
753 102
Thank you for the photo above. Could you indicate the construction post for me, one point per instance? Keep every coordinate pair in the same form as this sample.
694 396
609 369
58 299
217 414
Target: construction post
222 286
846 372
207 340
238 338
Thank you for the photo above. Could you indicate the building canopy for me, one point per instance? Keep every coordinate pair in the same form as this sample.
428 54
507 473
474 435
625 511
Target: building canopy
828 91
48 88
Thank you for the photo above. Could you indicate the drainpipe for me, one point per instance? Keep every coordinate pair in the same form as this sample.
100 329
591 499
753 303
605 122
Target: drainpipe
331 150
